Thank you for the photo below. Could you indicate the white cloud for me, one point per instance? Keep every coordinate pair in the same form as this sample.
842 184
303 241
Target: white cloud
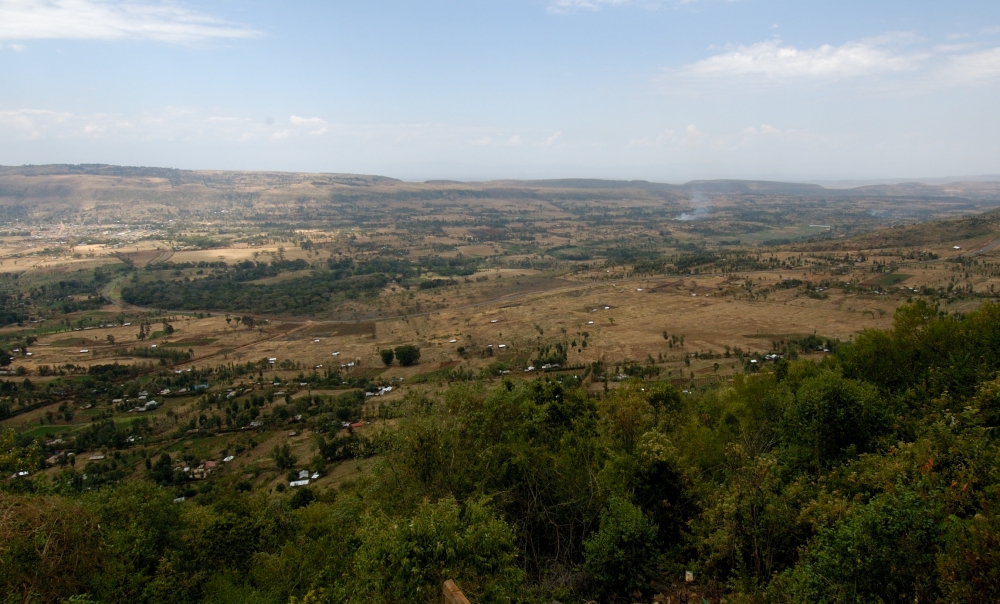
191 123
976 67
309 121
561 7
691 137
952 48
923 66
764 130
767 132
665 136
16 47
306 121
112 20
479 142
552 139
772 60
30 123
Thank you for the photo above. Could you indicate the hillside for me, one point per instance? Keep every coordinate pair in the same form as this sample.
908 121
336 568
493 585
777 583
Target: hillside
934 233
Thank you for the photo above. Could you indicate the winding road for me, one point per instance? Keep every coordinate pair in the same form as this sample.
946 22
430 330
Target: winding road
165 254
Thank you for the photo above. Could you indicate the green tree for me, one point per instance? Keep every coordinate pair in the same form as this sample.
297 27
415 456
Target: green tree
408 354
139 524
303 496
407 560
162 472
17 458
750 528
620 556
282 456
884 551
831 419
387 356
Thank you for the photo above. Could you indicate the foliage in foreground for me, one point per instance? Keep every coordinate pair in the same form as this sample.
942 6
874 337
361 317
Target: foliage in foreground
870 477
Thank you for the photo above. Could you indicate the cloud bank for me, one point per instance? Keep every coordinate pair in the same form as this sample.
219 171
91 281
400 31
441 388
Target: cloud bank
113 20
192 124
773 60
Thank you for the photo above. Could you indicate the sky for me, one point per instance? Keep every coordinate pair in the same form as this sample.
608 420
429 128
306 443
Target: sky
662 90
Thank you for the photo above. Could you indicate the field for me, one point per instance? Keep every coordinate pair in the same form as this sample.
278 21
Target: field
482 277
255 308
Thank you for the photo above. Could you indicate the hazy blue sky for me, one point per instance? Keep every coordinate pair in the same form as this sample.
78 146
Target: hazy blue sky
660 90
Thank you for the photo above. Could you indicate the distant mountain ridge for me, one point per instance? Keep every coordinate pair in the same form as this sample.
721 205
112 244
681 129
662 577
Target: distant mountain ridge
975 188
177 175
978 188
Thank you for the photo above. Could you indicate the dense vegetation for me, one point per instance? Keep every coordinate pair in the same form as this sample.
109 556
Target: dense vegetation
20 301
234 287
308 295
872 476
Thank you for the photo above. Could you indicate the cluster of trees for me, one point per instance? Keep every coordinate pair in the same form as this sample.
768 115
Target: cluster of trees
392 267
20 300
310 294
233 287
551 355
11 310
407 355
456 266
701 261
101 383
869 477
